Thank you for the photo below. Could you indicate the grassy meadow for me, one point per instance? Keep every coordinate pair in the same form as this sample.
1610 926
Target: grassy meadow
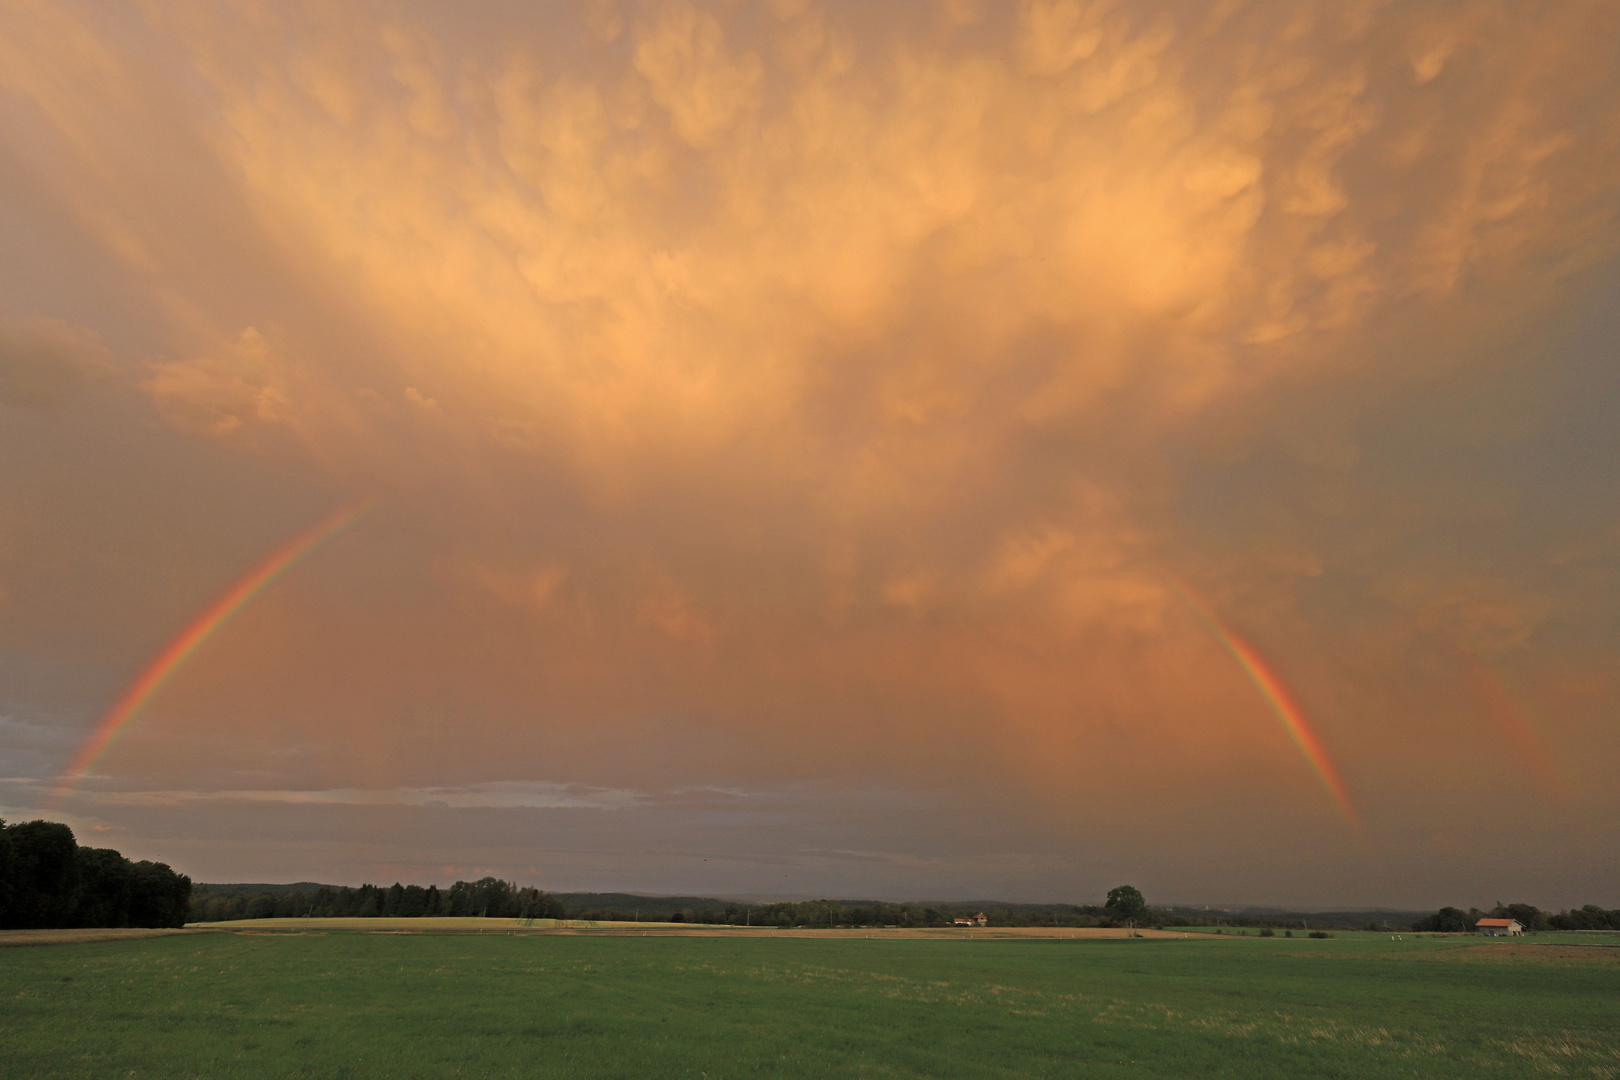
330 1001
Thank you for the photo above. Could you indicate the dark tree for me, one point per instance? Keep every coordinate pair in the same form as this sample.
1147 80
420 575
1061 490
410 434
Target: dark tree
1125 905
454 902
105 884
46 874
1529 916
1588 917
537 904
47 880
158 896
393 900
1448 920
8 873
488 896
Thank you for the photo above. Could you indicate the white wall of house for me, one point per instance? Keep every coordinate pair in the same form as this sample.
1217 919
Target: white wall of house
1513 929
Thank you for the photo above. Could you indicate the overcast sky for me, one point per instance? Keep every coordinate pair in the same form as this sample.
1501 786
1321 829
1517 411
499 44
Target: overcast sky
822 448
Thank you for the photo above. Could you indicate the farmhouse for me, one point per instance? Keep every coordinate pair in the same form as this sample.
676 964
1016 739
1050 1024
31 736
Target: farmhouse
1500 927
977 920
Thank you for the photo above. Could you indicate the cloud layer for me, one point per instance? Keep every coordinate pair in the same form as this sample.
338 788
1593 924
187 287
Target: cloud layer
819 398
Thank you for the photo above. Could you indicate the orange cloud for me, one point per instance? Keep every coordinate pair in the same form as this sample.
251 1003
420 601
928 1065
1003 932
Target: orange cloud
810 390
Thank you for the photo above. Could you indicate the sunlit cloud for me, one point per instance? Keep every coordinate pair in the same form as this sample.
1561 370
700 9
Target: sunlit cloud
810 394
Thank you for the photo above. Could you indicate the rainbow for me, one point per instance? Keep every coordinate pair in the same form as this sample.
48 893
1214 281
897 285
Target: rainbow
192 638
1512 718
1282 703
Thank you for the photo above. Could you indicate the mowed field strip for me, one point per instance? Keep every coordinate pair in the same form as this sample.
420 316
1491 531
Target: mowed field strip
360 998
663 929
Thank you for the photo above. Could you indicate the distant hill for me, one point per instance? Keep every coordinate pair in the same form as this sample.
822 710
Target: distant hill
649 906
1354 919
257 889
573 901
652 906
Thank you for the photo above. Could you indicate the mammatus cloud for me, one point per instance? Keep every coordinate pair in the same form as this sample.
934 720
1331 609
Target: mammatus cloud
798 391
243 385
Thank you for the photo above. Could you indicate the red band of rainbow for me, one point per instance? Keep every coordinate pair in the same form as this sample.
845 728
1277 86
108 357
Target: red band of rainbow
189 640
1513 719
1282 703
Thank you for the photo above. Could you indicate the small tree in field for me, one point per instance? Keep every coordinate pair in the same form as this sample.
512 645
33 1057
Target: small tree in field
1125 905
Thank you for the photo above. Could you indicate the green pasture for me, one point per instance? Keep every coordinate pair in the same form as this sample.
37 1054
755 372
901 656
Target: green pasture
348 1003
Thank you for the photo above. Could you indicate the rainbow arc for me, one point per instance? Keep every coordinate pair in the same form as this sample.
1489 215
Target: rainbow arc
194 636
1512 718
1282 704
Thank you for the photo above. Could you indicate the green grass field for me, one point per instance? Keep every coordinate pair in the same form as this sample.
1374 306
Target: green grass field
355 1004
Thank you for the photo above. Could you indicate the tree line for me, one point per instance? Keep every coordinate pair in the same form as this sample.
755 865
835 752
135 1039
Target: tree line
47 881
496 898
488 896
802 913
1450 920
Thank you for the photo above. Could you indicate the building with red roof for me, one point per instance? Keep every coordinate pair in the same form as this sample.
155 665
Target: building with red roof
1500 927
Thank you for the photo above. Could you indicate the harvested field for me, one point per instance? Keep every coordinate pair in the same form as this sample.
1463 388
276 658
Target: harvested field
1043 933
662 929
447 926
79 936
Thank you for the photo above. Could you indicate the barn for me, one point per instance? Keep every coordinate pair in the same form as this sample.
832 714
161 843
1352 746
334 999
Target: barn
1500 927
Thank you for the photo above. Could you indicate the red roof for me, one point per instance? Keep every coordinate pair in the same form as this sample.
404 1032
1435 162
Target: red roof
1496 922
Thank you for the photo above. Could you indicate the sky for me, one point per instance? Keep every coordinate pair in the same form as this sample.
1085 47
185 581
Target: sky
909 450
